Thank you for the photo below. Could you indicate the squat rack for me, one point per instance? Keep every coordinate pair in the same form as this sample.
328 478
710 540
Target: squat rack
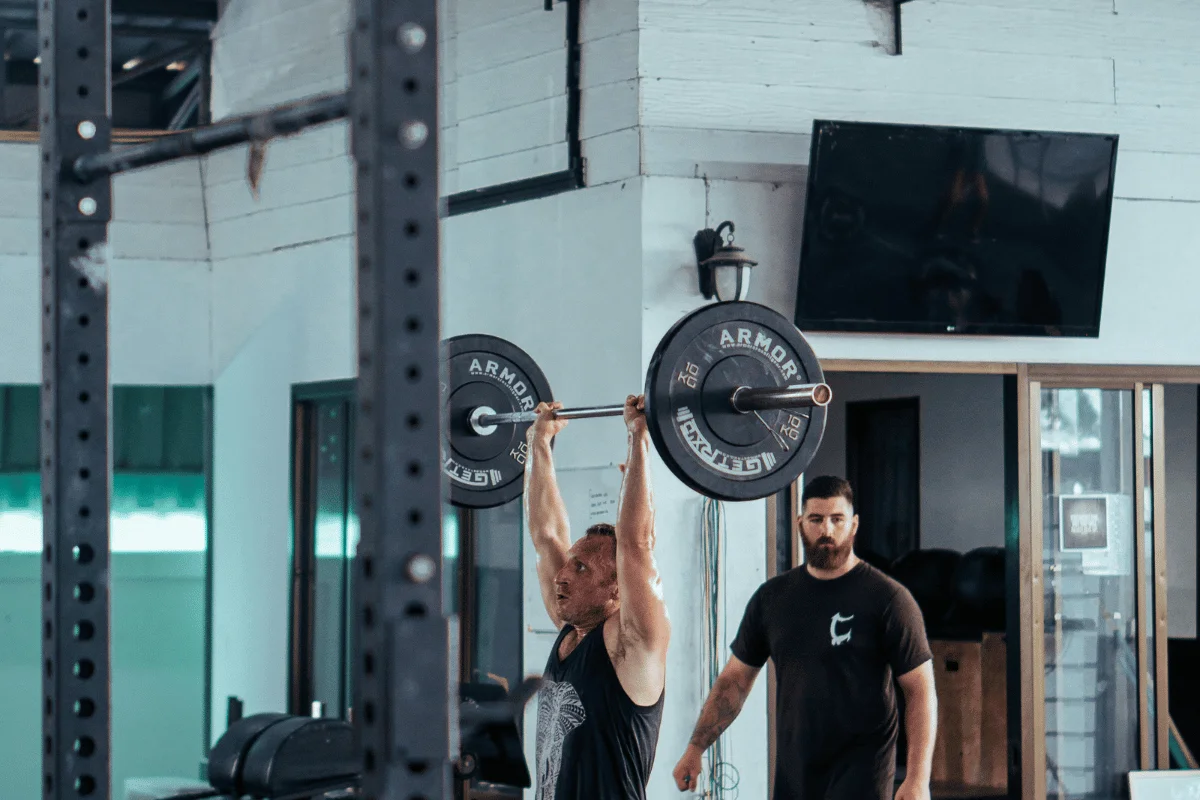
406 645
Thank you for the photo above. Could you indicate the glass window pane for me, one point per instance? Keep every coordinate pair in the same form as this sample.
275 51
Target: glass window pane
1089 559
1147 433
496 642
331 565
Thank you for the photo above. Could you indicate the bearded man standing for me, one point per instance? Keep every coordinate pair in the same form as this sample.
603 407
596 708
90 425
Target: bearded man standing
839 632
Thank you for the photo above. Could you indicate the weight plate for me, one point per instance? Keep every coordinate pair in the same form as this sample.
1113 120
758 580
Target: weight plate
711 448
487 471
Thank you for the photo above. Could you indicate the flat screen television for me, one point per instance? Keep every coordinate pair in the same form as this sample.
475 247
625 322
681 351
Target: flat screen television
923 229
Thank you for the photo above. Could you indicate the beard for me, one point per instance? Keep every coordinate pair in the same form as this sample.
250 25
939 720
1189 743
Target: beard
824 553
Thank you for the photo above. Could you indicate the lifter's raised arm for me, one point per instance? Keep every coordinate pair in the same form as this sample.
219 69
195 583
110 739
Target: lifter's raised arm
545 512
645 628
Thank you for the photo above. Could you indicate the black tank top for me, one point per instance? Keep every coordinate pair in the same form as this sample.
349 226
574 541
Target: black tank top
593 742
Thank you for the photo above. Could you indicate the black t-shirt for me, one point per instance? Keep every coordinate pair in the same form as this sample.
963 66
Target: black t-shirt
593 742
837 646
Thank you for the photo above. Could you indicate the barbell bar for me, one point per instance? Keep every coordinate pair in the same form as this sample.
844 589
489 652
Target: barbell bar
736 406
743 399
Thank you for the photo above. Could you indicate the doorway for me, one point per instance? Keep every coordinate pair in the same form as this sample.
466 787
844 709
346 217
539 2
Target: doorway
883 464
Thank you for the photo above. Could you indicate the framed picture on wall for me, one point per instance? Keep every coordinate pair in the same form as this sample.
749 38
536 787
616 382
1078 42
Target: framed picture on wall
1084 522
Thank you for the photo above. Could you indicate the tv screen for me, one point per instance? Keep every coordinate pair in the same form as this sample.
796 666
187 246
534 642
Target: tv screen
923 229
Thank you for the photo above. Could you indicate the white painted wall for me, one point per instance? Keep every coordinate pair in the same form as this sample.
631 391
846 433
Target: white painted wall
282 314
158 274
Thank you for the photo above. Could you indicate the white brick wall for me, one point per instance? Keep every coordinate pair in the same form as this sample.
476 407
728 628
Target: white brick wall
268 52
158 271
504 97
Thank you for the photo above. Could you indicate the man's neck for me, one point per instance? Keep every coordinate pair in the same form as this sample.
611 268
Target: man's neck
583 630
829 574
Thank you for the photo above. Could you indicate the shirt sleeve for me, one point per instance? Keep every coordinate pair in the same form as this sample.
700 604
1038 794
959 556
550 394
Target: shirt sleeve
750 645
904 634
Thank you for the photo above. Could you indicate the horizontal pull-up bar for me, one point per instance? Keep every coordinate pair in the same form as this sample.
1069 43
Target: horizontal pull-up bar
259 126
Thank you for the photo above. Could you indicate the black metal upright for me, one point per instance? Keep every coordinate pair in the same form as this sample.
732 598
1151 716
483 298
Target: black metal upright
406 681
75 121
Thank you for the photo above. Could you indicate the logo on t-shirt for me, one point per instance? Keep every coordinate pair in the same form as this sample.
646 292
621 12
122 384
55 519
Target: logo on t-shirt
560 711
835 637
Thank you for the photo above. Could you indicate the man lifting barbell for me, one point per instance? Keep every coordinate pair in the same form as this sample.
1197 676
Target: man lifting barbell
601 699
839 632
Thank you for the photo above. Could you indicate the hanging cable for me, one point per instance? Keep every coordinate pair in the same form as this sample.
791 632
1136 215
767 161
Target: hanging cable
723 777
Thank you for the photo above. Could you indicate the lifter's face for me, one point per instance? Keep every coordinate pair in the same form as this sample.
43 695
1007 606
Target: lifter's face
585 588
827 528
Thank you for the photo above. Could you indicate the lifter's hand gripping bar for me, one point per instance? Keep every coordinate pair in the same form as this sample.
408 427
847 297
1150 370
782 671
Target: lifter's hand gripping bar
743 400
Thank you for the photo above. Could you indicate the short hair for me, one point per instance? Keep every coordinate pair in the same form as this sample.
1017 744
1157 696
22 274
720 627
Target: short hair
601 529
609 532
826 487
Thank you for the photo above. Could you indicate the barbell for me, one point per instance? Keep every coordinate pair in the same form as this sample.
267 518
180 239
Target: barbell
735 406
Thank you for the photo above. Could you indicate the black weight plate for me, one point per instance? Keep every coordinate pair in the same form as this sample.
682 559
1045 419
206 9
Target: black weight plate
711 448
482 370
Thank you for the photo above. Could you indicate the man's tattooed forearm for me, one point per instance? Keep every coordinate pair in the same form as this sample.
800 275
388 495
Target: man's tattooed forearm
719 712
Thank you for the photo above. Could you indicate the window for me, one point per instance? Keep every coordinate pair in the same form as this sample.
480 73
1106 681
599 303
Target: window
160 513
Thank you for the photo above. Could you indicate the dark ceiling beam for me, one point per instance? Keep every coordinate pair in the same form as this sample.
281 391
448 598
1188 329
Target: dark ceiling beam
188 53
25 73
203 10
191 34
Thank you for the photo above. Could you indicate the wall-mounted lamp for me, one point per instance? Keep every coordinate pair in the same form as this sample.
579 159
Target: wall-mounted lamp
724 267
